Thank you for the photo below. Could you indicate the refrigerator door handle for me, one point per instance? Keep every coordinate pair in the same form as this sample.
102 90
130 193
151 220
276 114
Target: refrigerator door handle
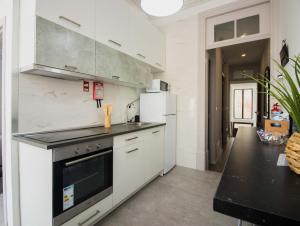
168 114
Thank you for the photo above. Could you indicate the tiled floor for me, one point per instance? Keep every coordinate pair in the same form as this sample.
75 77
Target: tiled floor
181 198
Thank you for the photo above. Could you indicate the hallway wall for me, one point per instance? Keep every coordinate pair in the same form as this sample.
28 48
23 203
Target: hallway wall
215 106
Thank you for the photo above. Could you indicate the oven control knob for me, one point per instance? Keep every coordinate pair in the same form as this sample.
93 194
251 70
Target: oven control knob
76 152
88 149
98 145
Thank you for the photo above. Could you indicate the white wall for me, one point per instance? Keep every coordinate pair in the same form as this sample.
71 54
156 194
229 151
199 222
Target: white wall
284 25
48 103
182 74
289 24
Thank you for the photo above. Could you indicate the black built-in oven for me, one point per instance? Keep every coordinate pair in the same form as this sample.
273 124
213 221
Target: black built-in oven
82 176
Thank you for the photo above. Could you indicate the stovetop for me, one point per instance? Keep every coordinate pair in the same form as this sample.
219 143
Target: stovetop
60 138
57 136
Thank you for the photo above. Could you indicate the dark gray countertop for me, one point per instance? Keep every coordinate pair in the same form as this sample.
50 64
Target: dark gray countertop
253 188
102 132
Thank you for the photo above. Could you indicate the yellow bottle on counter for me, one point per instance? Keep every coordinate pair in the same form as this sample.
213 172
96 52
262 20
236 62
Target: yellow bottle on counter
107 109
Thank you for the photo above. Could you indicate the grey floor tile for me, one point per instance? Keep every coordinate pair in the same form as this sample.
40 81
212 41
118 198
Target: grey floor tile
184 197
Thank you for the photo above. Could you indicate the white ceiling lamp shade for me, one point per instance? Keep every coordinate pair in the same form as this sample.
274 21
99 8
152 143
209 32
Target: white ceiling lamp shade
161 8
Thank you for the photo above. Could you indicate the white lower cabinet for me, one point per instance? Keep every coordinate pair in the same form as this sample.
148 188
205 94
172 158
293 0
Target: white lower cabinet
92 214
136 163
128 171
154 152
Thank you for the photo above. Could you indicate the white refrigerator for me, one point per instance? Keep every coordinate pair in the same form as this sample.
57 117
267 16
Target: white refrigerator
162 108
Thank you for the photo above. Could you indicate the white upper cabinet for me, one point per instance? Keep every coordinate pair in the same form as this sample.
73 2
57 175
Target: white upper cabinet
139 36
77 15
124 28
158 49
112 23
146 41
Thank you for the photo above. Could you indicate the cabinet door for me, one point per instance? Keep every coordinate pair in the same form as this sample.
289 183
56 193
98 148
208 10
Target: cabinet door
77 15
62 48
158 51
142 74
139 36
112 22
113 64
147 43
128 171
108 62
154 152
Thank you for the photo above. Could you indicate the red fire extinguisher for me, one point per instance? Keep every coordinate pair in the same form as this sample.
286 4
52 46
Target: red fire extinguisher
98 93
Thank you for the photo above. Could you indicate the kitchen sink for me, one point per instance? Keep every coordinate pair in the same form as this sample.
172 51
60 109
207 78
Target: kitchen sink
138 123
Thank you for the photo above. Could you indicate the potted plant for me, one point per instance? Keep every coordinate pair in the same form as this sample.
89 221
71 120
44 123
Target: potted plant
286 91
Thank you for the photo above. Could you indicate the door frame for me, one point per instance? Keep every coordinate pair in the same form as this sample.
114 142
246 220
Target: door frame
275 45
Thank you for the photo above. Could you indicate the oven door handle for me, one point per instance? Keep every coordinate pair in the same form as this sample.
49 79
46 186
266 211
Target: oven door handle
87 158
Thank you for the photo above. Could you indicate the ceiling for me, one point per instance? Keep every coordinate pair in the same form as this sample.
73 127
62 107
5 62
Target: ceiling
190 8
253 50
186 4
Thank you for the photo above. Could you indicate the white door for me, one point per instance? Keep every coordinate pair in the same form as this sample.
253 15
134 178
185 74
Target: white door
243 104
170 143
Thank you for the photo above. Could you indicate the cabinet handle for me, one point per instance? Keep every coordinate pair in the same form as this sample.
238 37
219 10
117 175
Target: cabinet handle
72 68
136 149
114 42
71 21
133 138
158 64
115 77
89 218
87 158
141 55
155 131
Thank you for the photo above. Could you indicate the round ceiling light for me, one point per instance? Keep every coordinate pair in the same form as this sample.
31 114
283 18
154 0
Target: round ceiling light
161 8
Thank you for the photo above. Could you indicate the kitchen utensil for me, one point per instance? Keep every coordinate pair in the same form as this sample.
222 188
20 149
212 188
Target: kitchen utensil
107 109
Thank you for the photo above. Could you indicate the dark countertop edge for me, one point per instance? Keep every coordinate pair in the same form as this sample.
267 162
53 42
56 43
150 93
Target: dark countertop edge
20 138
249 213
252 215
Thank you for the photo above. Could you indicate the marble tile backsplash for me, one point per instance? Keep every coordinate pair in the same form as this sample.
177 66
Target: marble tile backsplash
48 103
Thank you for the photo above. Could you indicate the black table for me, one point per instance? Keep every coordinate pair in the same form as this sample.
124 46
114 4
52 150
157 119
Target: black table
253 188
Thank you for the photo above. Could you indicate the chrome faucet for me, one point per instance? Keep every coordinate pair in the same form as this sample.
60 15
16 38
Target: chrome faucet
128 106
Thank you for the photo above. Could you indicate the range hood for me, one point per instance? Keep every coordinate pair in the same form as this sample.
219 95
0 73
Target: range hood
41 70
36 69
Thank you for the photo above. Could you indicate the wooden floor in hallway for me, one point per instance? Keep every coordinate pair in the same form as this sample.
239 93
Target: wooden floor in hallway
183 197
219 166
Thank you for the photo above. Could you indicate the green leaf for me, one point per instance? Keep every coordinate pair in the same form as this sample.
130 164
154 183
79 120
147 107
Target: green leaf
286 90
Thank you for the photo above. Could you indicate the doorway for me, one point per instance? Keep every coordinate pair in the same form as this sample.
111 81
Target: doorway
235 100
243 106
